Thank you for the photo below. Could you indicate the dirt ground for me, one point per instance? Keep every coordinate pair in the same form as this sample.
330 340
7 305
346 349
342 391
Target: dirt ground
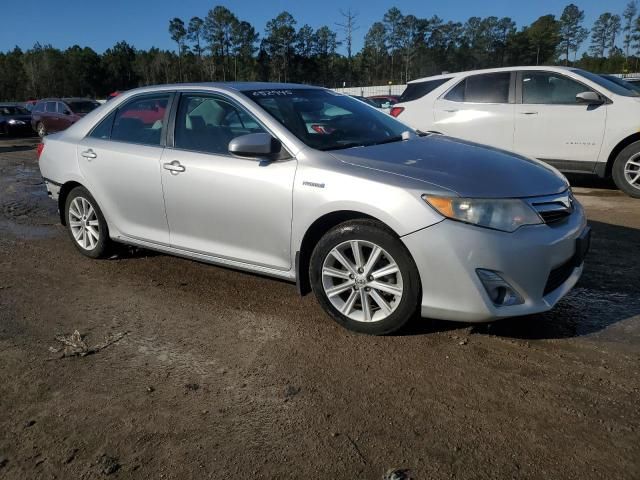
227 375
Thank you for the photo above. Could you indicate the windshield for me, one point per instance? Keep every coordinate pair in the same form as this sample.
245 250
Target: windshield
606 83
326 120
82 106
622 82
12 110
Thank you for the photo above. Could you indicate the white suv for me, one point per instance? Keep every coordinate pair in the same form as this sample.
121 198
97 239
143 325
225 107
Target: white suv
575 120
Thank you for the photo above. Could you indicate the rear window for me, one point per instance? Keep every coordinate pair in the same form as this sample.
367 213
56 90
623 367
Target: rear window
484 88
415 91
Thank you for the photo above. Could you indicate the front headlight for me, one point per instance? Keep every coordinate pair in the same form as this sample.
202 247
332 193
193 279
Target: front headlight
500 214
13 121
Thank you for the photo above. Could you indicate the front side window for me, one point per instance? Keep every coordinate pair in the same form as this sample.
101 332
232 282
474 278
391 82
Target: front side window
51 107
39 107
208 123
549 88
484 88
141 120
326 120
62 108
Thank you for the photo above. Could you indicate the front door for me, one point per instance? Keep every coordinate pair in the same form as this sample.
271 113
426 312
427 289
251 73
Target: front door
218 204
120 159
552 126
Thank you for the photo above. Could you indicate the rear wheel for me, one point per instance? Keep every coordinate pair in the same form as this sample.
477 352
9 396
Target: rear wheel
86 224
364 277
41 129
626 170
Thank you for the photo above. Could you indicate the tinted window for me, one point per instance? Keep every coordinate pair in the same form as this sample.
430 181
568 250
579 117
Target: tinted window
208 124
12 110
62 108
326 120
485 88
415 91
103 130
83 106
51 107
549 88
141 120
39 107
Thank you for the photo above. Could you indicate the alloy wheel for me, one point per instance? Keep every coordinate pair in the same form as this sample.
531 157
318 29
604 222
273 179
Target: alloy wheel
84 223
632 171
362 281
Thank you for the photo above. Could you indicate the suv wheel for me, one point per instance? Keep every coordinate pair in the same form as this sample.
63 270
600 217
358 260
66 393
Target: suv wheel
86 224
364 277
626 170
41 129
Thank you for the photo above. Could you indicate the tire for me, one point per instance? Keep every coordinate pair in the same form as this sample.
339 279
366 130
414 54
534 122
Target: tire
344 289
41 130
626 164
85 222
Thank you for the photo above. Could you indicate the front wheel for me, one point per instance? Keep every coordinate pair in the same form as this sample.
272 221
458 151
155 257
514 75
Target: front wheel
86 224
364 278
626 170
41 129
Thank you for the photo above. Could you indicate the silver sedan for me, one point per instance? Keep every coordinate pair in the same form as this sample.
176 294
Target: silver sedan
381 222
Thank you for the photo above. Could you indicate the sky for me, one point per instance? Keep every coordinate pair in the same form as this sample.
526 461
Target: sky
144 23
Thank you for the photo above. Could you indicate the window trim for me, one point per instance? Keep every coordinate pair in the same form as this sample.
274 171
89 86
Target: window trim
511 95
171 125
519 89
163 135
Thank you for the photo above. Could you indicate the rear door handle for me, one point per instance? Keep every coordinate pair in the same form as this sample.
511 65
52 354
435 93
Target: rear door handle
174 167
452 111
528 113
89 154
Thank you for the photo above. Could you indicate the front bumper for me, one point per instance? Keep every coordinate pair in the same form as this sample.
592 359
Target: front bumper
447 255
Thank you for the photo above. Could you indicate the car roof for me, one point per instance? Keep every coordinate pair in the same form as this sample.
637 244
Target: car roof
229 86
66 99
492 70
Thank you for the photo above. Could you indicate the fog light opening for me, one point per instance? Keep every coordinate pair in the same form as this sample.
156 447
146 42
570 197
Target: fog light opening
500 292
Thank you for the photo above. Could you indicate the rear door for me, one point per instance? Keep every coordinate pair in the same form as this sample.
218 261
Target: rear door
552 126
64 116
120 159
219 204
479 108
50 117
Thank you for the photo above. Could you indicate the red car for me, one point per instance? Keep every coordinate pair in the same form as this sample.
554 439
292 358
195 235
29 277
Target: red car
56 114
384 101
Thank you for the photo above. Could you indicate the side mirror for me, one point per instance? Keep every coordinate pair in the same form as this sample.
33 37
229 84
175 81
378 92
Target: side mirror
255 145
67 112
589 98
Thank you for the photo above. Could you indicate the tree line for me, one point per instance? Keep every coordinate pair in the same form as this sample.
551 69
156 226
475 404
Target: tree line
220 46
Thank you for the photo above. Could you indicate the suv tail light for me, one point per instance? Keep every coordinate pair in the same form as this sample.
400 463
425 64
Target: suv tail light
40 149
395 111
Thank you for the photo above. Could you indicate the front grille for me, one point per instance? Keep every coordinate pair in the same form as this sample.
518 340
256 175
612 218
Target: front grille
559 275
554 208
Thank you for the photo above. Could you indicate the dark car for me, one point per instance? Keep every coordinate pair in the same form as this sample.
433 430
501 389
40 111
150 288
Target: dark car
14 120
56 114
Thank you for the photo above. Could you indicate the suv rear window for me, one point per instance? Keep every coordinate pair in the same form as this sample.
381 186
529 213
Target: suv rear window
483 88
414 91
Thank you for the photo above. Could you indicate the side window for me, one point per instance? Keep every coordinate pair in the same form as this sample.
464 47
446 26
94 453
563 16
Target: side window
418 90
484 88
208 124
103 130
141 120
549 88
51 107
62 108
39 107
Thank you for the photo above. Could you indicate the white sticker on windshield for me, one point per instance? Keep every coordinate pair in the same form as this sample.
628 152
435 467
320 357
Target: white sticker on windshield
271 93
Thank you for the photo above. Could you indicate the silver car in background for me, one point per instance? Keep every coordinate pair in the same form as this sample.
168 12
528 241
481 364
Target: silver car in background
300 183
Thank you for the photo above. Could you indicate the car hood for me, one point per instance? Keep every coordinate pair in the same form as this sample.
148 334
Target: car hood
469 169
24 118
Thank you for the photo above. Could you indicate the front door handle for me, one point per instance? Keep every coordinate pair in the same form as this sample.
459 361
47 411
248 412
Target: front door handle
174 167
528 113
454 110
89 154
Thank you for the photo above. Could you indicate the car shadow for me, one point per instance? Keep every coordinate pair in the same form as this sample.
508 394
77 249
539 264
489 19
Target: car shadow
584 180
607 293
16 148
